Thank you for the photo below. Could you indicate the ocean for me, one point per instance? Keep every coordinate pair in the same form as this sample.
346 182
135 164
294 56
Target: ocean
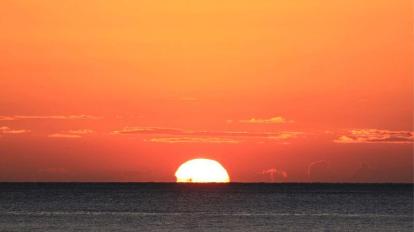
205 207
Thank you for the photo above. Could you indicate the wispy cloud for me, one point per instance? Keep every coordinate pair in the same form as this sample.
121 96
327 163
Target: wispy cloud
64 136
376 136
275 173
81 131
71 134
320 171
284 135
8 130
149 130
272 120
192 140
56 117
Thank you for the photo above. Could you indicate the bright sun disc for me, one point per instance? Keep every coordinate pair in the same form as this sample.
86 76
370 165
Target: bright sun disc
202 171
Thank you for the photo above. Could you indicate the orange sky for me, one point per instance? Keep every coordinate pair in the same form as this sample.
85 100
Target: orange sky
128 90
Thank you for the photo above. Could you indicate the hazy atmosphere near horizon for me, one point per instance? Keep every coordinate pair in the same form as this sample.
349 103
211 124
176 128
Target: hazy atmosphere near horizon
275 91
206 115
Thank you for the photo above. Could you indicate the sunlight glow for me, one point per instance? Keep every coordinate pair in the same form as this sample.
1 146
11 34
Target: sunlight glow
202 171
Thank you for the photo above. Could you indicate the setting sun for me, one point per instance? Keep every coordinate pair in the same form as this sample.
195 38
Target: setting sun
202 171
180 115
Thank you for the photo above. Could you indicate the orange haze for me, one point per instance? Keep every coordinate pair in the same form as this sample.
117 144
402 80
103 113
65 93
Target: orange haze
284 91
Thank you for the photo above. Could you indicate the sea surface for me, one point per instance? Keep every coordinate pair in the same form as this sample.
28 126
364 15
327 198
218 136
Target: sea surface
205 207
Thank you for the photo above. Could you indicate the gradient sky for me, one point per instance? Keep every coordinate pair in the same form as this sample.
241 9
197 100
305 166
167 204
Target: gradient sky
128 90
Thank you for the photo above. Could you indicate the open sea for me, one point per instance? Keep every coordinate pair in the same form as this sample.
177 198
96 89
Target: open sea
205 207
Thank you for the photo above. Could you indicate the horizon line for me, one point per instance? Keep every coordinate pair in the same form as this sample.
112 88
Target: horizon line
200 183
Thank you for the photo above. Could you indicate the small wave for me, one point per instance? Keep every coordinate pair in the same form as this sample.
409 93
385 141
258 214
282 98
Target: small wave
143 214
93 213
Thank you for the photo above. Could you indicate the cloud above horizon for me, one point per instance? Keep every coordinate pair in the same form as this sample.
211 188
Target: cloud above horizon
272 120
64 136
320 171
8 130
212 135
193 140
71 134
366 173
376 136
81 131
57 117
275 173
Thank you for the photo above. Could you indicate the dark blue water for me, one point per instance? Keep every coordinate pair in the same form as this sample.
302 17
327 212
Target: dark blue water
205 207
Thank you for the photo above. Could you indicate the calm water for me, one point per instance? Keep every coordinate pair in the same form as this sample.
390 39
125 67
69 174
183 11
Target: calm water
211 207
